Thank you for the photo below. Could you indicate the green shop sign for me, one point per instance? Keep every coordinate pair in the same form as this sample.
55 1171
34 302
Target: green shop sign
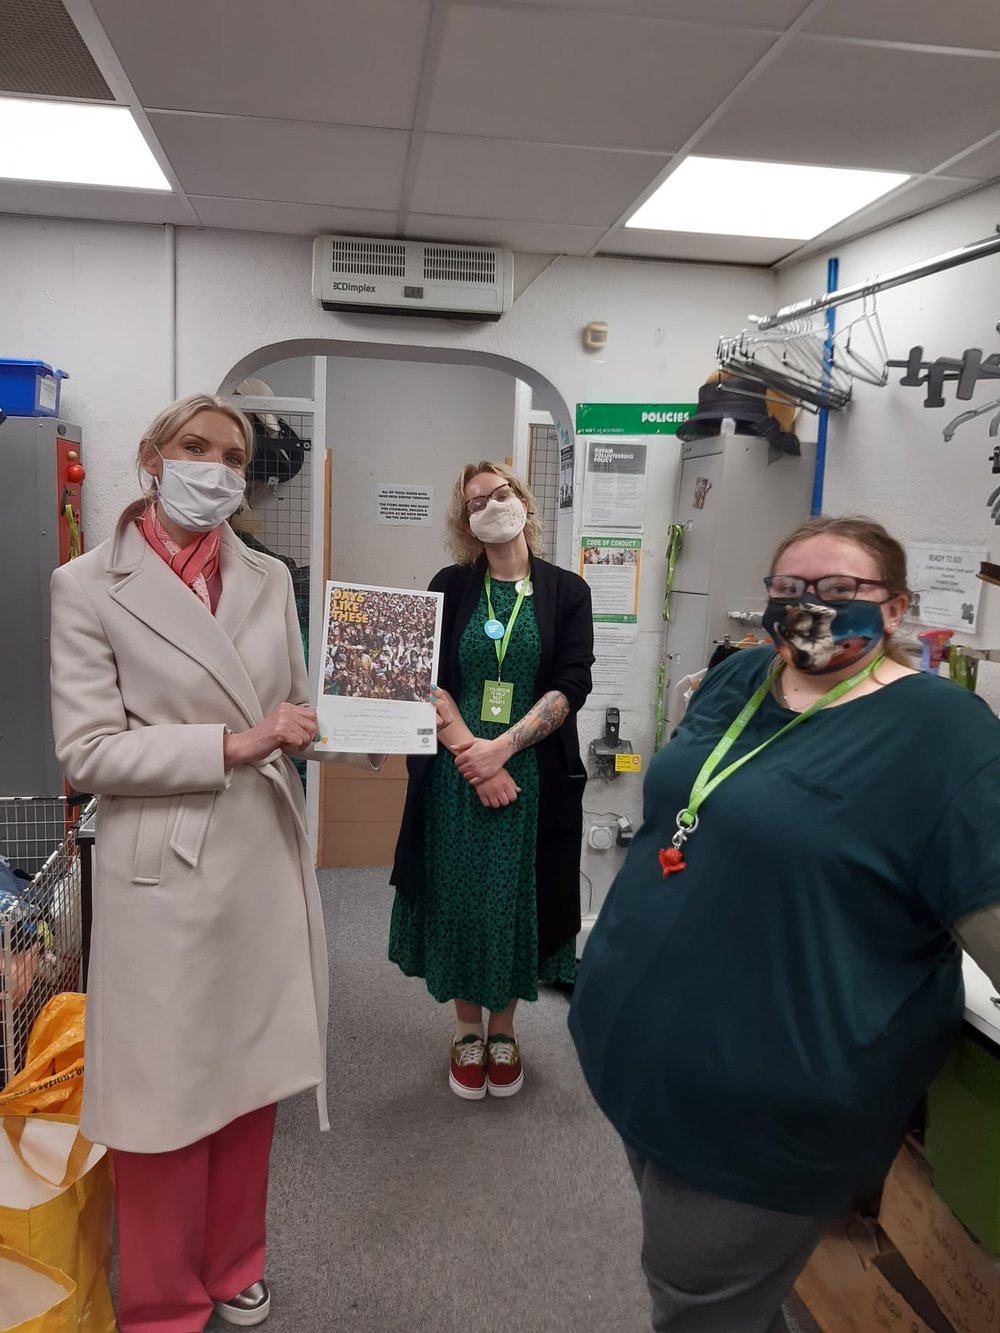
632 418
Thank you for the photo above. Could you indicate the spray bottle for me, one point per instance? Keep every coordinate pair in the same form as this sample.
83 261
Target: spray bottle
934 643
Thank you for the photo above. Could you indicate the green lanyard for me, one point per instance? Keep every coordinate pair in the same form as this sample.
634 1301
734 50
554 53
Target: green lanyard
705 783
498 644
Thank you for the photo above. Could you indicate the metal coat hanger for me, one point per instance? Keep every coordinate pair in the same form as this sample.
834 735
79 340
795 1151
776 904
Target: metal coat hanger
970 415
793 360
851 359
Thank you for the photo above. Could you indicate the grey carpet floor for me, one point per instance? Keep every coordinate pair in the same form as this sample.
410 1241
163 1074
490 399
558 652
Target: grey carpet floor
421 1213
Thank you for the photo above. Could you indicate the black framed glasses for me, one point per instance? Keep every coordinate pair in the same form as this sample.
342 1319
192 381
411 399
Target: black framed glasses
479 502
830 587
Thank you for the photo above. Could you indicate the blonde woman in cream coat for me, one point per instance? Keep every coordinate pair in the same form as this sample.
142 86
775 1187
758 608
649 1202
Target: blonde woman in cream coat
178 691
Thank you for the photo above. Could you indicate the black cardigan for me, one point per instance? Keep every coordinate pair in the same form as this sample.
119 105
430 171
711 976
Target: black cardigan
565 626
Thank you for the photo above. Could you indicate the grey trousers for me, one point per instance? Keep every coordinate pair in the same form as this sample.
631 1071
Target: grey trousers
714 1265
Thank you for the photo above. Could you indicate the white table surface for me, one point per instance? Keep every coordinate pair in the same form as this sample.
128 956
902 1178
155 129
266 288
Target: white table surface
980 1010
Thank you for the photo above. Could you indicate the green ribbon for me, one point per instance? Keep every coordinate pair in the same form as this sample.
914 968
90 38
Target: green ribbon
661 686
675 540
501 645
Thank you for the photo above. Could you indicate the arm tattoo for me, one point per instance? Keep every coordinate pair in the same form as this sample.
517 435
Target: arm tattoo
550 712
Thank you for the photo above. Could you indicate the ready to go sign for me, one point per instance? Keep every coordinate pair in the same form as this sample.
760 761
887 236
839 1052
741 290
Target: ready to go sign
632 418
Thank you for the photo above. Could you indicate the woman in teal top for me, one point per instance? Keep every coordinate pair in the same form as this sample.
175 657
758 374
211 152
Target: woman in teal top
488 859
774 978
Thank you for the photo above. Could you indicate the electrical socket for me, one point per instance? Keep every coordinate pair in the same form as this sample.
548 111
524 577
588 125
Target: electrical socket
601 837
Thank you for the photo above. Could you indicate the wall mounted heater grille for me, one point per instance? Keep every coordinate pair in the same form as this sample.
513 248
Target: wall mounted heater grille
365 275
460 265
380 259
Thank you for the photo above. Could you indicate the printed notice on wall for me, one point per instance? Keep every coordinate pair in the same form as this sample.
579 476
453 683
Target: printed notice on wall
404 506
610 565
946 590
614 484
613 671
566 477
380 655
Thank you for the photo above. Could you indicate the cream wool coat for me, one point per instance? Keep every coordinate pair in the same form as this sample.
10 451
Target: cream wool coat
208 981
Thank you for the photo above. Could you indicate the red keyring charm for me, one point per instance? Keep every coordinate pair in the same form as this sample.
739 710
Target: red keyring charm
671 861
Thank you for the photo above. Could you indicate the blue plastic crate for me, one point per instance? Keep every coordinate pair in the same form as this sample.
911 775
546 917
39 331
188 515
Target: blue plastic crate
30 388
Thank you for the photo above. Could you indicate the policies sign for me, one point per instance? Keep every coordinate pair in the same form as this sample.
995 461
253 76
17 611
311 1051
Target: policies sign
632 418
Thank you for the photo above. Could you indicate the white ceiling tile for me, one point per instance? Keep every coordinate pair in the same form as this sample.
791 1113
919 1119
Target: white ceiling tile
355 61
983 164
837 104
79 201
966 23
292 219
917 199
284 160
542 238
583 78
773 14
488 178
690 246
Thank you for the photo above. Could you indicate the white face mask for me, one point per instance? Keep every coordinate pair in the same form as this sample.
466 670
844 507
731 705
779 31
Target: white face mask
198 496
500 521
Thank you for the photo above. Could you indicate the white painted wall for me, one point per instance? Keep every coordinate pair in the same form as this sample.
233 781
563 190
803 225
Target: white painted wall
99 300
93 299
397 422
886 455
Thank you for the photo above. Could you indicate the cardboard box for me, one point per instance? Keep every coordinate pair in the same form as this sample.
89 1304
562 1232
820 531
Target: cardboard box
833 1283
895 1302
959 1274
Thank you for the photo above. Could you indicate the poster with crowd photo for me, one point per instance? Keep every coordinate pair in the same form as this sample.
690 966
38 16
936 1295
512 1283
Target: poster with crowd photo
380 658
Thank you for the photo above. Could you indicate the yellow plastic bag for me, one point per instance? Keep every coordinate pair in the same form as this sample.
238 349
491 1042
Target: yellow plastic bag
38 1299
52 1077
56 1198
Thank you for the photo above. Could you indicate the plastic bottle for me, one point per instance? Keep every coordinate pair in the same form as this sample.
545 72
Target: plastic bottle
934 642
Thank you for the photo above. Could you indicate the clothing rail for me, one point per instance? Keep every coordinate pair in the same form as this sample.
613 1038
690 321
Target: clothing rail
990 245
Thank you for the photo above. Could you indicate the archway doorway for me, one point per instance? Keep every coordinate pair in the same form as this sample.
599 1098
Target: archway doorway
381 415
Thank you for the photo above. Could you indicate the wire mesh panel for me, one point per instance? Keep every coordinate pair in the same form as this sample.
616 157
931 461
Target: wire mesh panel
277 517
41 933
543 481
279 494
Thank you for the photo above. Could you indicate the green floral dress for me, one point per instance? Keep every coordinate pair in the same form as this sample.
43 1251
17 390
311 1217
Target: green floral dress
471 926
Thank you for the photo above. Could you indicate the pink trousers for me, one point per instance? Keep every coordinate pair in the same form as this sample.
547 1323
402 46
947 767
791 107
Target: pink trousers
192 1225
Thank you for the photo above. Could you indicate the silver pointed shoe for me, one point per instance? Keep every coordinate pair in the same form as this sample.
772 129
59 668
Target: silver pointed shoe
246 1308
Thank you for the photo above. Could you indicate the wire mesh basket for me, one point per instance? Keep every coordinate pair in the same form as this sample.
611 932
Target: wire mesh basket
41 925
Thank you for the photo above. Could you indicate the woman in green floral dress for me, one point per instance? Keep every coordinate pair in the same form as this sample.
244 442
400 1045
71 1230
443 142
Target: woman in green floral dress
487 864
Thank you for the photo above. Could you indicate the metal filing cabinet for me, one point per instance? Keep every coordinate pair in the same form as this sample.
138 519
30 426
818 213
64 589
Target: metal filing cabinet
41 473
751 496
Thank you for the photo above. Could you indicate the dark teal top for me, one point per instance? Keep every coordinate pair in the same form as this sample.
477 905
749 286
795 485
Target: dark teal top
762 1024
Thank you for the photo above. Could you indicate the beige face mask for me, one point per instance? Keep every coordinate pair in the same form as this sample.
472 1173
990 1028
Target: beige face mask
500 521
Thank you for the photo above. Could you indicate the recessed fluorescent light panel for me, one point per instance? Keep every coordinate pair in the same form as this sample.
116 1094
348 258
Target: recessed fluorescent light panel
728 197
75 143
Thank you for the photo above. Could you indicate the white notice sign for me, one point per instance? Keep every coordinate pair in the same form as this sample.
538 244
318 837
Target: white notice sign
614 484
404 506
613 671
946 590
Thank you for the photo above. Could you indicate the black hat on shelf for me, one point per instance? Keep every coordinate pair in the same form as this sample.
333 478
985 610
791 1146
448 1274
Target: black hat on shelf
755 409
277 454
278 450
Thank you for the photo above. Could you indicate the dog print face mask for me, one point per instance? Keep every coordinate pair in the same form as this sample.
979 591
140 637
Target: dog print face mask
819 637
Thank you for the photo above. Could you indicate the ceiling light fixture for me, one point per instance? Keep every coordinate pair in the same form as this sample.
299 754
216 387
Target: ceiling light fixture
75 143
729 197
